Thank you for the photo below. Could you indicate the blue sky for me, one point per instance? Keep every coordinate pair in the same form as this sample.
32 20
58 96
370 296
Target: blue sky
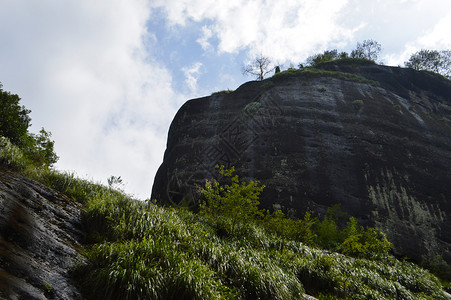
106 77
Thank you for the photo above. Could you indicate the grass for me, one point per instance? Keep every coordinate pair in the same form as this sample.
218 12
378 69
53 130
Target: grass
223 92
314 73
144 251
139 250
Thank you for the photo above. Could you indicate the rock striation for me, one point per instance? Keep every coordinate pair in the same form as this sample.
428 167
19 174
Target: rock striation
40 232
375 139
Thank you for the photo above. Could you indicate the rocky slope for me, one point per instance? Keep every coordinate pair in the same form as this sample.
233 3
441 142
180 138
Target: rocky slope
40 231
380 147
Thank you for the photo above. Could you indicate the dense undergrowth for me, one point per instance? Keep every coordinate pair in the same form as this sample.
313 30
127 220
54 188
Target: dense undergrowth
144 251
140 250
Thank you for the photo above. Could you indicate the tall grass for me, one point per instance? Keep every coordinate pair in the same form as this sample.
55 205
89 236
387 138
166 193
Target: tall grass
138 250
145 251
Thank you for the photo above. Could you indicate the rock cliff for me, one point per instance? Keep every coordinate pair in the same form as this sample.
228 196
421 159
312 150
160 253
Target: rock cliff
375 139
40 231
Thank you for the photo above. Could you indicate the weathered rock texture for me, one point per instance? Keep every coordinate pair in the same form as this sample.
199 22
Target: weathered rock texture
39 235
383 151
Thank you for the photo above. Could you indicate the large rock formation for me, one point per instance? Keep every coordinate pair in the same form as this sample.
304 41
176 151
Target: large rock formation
377 141
40 233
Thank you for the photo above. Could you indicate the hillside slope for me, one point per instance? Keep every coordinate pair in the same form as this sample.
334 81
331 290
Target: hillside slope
375 139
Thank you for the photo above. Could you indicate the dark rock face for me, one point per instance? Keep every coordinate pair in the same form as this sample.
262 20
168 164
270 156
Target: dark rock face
39 235
382 152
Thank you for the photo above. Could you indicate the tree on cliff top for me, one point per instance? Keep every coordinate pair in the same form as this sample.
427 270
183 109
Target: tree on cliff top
259 67
14 124
14 119
368 49
431 60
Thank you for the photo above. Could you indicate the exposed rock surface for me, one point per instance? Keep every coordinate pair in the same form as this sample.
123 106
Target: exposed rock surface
40 231
383 151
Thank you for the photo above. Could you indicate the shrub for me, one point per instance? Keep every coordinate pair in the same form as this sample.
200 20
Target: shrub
223 92
38 150
235 199
14 119
357 102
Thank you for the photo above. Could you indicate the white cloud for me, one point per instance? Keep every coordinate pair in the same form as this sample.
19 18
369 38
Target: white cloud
83 70
207 33
439 37
288 31
191 76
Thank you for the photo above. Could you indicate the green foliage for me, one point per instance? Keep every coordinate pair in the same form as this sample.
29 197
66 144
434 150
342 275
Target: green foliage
358 102
14 119
12 156
315 73
37 150
431 60
360 242
40 148
223 92
268 85
149 252
365 53
368 49
251 108
235 199
328 55
299 230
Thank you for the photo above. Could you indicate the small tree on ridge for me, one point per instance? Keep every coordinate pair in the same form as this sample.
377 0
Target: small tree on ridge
259 67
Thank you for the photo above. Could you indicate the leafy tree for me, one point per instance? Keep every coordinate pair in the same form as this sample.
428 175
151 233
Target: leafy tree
14 119
40 148
260 67
235 199
14 124
328 55
368 49
431 60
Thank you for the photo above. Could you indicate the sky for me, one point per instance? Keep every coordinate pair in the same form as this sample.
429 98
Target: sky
106 77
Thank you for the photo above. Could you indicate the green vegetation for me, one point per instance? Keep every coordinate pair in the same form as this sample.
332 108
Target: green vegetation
236 201
314 73
36 150
223 92
364 53
140 250
431 60
397 106
251 108
144 251
358 102
268 84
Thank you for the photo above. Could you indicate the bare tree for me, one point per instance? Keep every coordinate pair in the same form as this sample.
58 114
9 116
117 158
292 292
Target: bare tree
260 67
368 49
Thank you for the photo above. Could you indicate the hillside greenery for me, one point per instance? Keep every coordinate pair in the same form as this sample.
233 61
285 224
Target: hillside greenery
141 250
36 149
315 73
